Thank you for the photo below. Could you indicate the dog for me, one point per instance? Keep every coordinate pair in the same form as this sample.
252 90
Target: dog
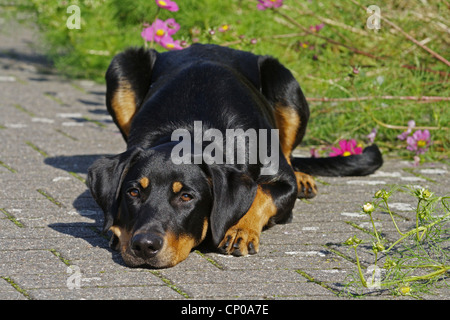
159 209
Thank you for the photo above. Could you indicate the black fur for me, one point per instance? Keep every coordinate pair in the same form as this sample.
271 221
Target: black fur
355 165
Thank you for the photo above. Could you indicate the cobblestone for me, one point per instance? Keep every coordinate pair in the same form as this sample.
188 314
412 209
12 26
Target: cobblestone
52 130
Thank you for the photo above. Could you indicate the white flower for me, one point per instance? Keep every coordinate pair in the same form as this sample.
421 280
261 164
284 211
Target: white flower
368 207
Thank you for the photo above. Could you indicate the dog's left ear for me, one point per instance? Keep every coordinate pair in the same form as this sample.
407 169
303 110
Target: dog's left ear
105 178
233 192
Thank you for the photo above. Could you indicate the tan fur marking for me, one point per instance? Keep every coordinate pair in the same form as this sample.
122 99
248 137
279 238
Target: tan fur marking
177 186
177 247
123 235
124 105
144 182
249 227
261 210
204 231
288 122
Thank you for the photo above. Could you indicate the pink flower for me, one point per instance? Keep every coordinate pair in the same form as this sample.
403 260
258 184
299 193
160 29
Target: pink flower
419 141
320 26
170 44
147 34
167 4
371 136
317 28
347 148
314 153
156 31
267 4
161 32
172 26
404 135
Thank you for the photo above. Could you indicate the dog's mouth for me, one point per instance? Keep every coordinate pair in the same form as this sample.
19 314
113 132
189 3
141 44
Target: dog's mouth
151 250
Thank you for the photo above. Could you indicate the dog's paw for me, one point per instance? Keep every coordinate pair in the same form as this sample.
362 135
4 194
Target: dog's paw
240 241
307 188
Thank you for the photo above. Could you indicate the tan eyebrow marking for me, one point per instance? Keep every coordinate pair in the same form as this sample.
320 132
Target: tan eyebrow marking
177 186
144 182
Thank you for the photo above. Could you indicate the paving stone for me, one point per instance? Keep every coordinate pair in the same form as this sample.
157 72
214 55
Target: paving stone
53 129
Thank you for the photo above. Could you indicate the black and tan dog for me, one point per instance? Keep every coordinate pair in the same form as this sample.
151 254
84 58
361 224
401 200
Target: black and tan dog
159 211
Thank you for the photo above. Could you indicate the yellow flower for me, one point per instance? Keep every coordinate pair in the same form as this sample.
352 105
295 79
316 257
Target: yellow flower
405 290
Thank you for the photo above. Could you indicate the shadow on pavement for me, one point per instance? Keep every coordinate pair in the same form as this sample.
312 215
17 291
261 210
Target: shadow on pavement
85 206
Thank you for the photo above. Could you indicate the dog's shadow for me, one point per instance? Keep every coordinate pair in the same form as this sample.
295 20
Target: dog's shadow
84 205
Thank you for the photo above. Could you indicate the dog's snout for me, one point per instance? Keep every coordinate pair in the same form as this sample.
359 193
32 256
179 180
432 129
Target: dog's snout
146 245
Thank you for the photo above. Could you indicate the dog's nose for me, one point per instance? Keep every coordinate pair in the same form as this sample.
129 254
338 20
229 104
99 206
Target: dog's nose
146 245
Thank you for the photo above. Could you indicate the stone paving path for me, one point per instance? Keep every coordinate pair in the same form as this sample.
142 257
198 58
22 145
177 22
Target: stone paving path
51 131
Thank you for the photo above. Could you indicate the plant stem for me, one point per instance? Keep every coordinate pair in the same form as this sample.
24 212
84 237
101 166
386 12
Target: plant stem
427 266
406 235
392 217
417 219
374 229
442 270
298 25
361 277
417 230
390 126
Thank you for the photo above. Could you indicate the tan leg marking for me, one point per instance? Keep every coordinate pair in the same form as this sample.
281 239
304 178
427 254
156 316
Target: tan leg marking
123 103
288 122
243 237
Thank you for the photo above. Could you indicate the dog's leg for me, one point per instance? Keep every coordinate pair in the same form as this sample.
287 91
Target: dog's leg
273 203
288 123
243 237
128 80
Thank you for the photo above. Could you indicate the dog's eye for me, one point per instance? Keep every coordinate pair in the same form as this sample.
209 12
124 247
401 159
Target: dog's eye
186 197
135 193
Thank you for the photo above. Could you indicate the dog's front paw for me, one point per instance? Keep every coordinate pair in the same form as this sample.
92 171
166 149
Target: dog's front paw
240 240
307 188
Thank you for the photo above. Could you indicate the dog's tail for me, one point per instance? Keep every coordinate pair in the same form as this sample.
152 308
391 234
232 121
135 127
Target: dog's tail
354 165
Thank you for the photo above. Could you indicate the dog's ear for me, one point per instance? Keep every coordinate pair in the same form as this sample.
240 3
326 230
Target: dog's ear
233 192
128 81
105 178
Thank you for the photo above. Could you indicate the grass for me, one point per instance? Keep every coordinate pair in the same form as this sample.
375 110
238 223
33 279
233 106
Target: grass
389 64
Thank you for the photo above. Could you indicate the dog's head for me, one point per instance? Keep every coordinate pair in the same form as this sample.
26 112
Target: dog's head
159 211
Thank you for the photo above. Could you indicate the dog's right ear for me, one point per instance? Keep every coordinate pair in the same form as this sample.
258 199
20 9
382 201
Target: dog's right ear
104 180
128 81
